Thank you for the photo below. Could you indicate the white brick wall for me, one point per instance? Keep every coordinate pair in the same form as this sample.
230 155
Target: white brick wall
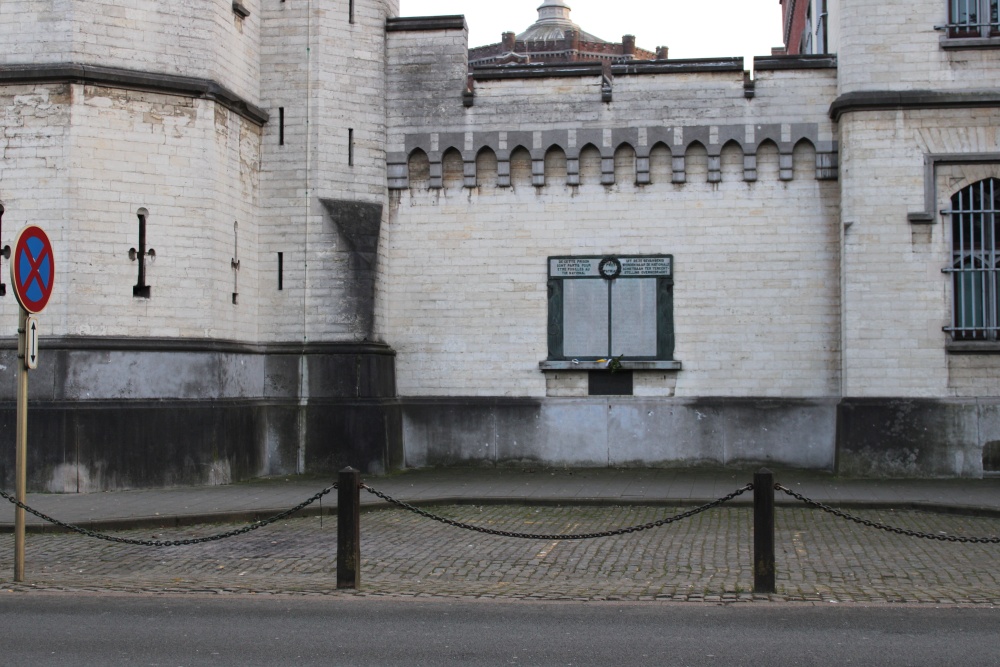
755 298
197 38
896 298
893 46
341 87
91 158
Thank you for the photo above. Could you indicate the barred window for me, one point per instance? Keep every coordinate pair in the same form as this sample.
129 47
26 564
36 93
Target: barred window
975 265
973 18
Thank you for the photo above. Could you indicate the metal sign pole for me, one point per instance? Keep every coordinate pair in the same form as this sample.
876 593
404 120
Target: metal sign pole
21 461
32 272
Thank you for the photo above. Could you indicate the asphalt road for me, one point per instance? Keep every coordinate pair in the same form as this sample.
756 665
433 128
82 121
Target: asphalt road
41 629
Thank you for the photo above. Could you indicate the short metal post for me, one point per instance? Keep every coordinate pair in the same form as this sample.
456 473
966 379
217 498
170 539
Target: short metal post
763 532
21 447
349 529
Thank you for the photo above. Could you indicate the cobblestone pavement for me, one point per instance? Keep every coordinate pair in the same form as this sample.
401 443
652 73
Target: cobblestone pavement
703 558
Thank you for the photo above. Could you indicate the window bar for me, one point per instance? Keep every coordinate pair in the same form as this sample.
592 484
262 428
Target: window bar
985 254
961 320
989 273
982 320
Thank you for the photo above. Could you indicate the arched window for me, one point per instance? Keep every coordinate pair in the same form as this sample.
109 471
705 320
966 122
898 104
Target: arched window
975 261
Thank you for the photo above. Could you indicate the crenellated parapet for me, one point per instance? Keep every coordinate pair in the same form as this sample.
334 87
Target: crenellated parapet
445 120
678 141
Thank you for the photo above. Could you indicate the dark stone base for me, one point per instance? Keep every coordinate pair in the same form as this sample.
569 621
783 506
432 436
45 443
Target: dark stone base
892 437
108 414
114 446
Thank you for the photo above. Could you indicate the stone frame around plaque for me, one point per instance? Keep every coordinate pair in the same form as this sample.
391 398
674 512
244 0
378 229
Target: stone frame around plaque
583 320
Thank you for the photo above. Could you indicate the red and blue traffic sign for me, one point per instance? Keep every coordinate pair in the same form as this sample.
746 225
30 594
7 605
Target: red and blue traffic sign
32 269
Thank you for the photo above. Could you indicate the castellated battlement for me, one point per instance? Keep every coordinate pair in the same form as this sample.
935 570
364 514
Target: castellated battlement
645 121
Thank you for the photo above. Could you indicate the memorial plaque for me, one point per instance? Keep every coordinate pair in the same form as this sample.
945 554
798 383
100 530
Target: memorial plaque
646 266
574 267
585 318
633 317
607 305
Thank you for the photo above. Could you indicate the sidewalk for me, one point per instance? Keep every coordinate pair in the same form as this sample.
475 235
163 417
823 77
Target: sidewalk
259 499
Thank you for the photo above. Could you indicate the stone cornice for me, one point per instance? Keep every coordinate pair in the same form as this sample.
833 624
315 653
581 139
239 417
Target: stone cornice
877 100
539 71
418 23
680 66
117 77
772 63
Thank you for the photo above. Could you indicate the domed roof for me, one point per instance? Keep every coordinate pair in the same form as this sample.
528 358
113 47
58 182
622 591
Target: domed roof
552 24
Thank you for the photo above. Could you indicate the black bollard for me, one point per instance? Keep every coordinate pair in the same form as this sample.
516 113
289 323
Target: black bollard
349 529
763 532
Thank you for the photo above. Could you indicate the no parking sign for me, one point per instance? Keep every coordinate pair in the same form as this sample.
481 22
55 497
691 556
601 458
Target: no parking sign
32 269
32 273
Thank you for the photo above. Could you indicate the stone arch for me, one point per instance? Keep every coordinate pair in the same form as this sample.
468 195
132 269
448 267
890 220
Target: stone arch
418 167
696 162
555 165
661 163
452 169
520 166
804 160
625 168
590 164
767 161
731 161
486 168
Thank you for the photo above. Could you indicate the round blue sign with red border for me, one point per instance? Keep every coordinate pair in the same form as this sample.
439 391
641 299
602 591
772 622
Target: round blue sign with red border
32 269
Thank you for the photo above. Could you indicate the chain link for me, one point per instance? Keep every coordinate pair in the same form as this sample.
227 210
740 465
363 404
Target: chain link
170 543
891 529
573 536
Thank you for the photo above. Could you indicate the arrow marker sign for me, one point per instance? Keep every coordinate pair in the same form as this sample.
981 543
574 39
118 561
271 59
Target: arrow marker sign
31 348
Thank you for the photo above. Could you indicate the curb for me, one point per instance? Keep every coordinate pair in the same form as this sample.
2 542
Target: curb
330 509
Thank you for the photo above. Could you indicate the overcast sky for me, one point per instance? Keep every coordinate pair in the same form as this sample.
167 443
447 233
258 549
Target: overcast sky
691 28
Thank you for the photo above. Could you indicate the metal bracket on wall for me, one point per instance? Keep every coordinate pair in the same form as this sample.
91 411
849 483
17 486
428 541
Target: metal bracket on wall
141 289
5 253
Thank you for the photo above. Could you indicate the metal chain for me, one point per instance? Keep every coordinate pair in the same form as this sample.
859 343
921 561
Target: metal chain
885 527
574 536
170 543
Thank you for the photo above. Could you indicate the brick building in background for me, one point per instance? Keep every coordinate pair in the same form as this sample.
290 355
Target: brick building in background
362 248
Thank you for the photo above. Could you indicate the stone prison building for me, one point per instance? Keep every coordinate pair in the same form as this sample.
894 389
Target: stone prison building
295 235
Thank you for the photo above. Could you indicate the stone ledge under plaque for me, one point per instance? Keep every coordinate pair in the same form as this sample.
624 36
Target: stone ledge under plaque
569 365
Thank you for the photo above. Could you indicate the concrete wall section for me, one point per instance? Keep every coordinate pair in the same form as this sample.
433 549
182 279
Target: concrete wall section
619 432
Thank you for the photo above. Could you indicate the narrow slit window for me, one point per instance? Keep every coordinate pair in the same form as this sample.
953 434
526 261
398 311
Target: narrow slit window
350 147
281 125
350 11
281 271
